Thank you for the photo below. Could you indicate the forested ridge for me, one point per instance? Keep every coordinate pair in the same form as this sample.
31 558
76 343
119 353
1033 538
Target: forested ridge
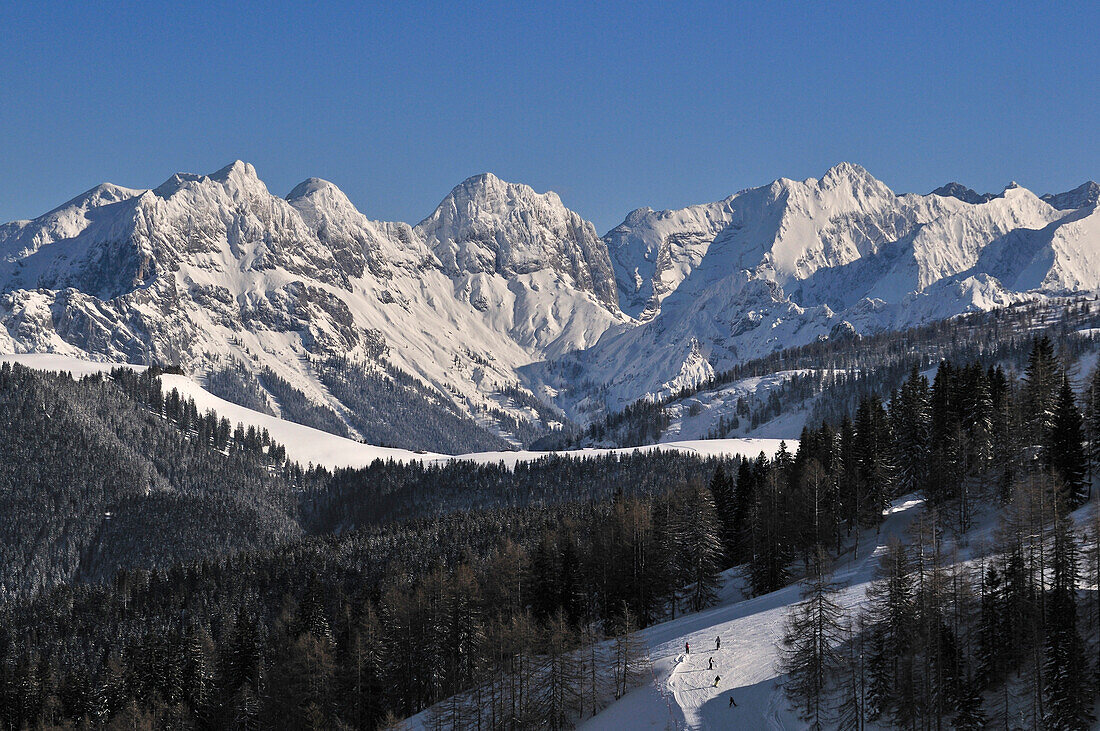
513 594
157 570
1002 640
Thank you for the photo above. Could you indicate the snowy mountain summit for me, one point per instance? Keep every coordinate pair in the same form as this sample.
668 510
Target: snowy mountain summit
502 287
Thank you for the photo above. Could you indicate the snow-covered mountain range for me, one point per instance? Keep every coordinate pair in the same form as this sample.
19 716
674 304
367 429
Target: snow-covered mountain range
502 286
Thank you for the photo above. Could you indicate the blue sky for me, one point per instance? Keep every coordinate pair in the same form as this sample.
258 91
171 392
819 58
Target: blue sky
613 105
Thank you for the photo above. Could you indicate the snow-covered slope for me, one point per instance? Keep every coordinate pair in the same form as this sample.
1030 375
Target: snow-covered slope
312 446
502 286
683 694
788 263
213 268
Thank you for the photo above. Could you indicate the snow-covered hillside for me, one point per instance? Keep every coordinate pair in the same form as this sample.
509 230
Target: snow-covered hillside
211 268
312 446
789 263
502 287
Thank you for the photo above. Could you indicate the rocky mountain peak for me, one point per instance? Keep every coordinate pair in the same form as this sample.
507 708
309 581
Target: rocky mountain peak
488 225
238 179
963 193
1086 194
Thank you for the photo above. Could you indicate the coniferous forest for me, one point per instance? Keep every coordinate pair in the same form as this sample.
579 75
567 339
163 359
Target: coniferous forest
166 569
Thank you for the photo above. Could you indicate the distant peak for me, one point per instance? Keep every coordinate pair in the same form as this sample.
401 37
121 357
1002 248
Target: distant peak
846 169
486 188
237 168
312 186
485 179
850 174
1085 194
99 195
963 193
480 185
314 197
848 177
237 175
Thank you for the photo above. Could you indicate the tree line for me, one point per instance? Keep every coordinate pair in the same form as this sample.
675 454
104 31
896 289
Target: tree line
1000 640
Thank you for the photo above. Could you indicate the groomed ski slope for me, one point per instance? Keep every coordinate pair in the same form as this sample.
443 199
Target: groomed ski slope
307 445
682 695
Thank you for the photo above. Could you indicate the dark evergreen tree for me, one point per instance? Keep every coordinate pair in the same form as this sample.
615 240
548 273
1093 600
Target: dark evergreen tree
1067 692
891 618
874 453
1040 394
769 565
725 506
1065 451
704 550
911 420
811 649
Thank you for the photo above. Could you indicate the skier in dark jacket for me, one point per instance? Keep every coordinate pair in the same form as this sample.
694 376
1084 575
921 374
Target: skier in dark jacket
710 663
717 643
716 679
732 704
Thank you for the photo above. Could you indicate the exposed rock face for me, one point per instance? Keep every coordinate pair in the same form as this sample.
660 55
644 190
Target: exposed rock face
208 267
503 285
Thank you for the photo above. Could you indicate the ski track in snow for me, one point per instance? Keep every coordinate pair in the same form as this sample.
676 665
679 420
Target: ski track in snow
748 660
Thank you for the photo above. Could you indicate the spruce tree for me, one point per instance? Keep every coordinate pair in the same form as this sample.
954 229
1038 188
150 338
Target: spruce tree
769 565
1040 394
1092 423
945 459
971 715
704 550
874 453
891 619
1067 691
722 493
910 417
811 649
1065 451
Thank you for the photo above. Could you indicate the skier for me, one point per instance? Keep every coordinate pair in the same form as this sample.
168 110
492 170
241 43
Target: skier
732 704
710 663
687 649
716 679
717 643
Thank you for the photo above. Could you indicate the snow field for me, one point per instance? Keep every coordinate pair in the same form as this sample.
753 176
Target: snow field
307 445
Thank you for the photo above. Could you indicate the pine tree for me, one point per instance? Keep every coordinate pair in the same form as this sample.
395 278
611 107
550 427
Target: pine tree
849 706
1006 432
769 565
1065 451
1092 423
874 452
890 598
971 715
722 493
1067 690
991 656
910 418
744 500
811 651
361 669
945 459
704 550
1040 393
561 698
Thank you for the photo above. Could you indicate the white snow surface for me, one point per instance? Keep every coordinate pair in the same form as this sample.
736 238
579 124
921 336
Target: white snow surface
680 693
307 445
503 285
